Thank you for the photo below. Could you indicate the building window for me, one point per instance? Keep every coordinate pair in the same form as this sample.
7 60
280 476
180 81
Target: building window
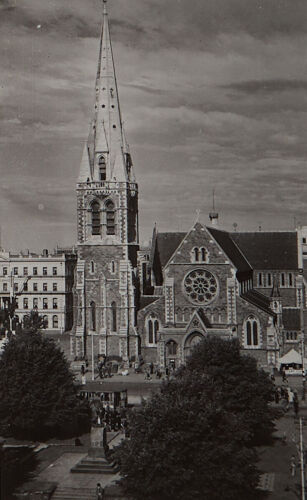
25 271
5 271
15 271
92 266
46 321
25 286
34 271
102 168
55 303
112 267
95 208
45 272
54 271
269 279
93 316
35 303
260 279
252 332
55 287
304 240
55 322
195 254
282 279
291 336
45 303
25 303
15 287
113 317
171 347
153 328
110 213
290 279
45 287
5 287
179 315
34 287
204 254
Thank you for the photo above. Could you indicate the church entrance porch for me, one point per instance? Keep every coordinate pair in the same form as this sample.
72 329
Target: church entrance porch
191 341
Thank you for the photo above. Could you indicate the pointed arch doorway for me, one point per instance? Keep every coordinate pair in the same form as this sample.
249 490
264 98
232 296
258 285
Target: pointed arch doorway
191 341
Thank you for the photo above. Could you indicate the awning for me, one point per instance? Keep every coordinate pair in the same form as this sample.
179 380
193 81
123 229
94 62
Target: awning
292 357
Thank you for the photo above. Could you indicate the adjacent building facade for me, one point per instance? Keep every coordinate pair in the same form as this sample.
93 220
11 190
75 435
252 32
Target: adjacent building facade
40 282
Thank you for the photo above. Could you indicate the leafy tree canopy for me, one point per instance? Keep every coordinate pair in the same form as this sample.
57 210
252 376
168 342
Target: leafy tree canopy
37 393
193 439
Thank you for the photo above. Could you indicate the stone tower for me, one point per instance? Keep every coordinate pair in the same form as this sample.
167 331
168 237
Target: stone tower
107 210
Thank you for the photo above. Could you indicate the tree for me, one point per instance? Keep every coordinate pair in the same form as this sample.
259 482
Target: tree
193 439
37 391
246 390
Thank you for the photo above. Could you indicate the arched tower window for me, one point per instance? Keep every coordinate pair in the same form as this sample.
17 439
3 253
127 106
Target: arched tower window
93 316
102 168
110 213
113 317
252 332
95 207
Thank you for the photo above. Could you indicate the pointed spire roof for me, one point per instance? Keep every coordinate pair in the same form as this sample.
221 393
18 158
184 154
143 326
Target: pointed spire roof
106 132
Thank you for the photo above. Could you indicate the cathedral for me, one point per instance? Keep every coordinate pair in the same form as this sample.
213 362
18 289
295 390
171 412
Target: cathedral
157 303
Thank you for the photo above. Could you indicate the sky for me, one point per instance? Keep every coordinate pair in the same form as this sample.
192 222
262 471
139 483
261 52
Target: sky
213 97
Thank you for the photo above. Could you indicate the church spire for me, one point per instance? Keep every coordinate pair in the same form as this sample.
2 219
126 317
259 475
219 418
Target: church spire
106 142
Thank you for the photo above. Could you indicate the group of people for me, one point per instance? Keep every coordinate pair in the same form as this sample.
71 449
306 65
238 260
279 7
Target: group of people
284 394
111 419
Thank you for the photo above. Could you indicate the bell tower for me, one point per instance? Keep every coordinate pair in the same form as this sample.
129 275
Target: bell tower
107 217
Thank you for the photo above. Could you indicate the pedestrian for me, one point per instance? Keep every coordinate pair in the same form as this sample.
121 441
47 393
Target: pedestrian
99 492
276 396
292 466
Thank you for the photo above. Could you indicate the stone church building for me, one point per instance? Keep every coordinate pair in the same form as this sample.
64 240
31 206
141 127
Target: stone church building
159 302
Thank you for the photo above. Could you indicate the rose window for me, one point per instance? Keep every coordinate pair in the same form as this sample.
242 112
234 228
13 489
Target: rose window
200 286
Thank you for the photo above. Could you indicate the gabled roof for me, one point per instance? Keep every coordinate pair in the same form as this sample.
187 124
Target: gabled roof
269 250
146 300
291 318
231 249
167 243
258 300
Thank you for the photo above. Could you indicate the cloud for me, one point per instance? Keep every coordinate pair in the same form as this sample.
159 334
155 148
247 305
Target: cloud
267 86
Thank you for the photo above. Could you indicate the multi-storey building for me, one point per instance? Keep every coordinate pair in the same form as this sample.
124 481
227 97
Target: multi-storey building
39 282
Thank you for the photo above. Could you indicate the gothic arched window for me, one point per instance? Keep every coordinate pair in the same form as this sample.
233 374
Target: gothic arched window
110 213
152 328
93 316
113 317
46 322
171 347
102 168
95 207
252 332
204 254
196 254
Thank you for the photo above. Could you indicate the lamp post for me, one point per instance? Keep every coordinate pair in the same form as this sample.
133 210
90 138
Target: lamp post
302 345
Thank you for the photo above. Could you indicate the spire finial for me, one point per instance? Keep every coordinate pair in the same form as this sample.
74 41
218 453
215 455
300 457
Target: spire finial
213 215
104 6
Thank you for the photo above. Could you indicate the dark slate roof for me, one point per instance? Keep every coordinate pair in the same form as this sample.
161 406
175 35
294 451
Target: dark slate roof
145 300
291 318
258 300
230 248
167 243
269 250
